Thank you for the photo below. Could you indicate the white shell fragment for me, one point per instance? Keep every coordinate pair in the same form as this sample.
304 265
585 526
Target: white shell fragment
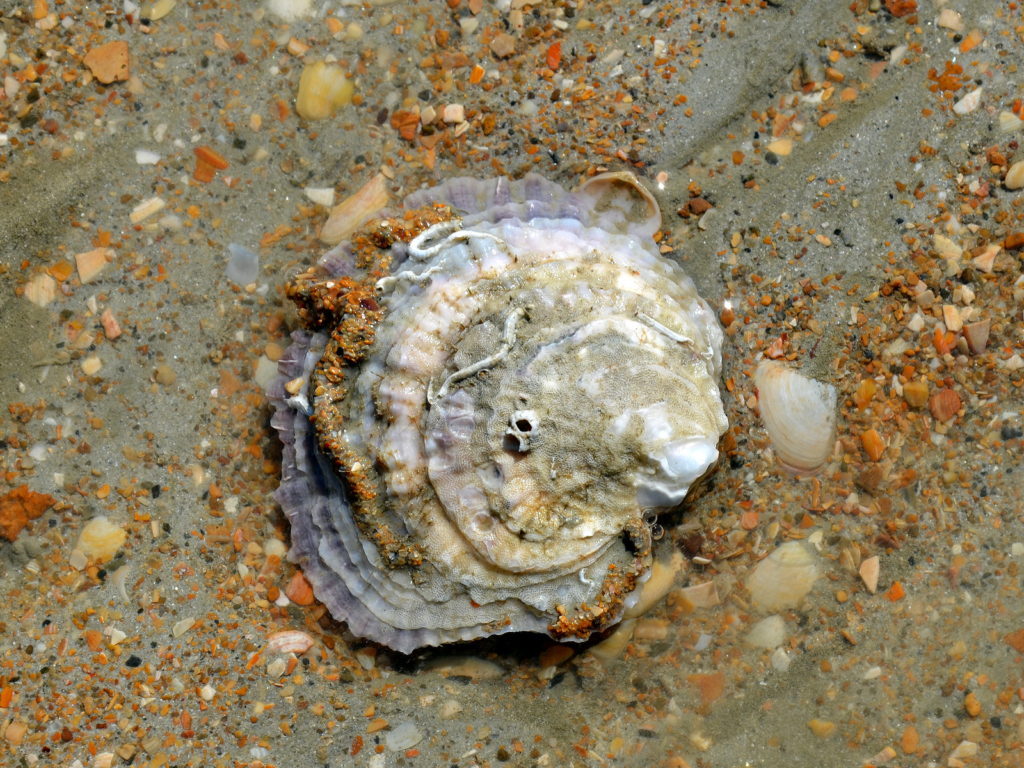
100 539
968 103
289 641
799 414
541 384
783 579
354 211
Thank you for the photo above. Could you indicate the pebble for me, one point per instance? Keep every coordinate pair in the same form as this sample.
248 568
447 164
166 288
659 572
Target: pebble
909 740
768 633
243 265
165 375
91 365
781 660
109 62
206 693
503 45
367 657
1015 176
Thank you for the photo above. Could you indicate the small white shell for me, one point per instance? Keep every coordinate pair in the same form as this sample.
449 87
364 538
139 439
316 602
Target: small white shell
783 579
799 414
289 641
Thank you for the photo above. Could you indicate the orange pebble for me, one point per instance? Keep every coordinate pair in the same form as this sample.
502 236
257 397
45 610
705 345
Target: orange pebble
873 444
895 592
299 590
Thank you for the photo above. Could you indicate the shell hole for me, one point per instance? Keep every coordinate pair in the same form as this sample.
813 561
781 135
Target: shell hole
512 444
523 425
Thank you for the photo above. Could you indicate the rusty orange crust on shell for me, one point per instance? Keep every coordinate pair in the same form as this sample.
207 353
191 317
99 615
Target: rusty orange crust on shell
350 309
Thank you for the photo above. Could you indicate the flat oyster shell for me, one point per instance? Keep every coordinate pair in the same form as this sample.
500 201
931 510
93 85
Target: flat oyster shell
541 383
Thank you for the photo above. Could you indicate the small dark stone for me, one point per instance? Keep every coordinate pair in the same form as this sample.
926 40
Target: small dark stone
997 722
155 490
238 143
133 662
771 158
1010 433
503 755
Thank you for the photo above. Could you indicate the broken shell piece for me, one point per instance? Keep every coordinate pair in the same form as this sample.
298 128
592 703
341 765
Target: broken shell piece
783 579
799 414
621 198
111 328
352 212
869 573
92 263
950 19
323 90
944 404
947 248
41 290
986 260
289 641
968 103
613 645
1009 122
101 539
977 336
657 587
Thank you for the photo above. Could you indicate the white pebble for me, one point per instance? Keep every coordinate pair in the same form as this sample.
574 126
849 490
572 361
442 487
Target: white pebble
1017 549
146 157
781 660
206 693
320 195
243 265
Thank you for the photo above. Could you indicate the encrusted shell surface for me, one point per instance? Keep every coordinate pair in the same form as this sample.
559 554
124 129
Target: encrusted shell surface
538 383
800 415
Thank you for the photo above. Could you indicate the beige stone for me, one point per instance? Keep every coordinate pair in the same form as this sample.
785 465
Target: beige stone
109 62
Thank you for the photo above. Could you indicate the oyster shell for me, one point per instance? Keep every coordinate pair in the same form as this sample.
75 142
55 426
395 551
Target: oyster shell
481 441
